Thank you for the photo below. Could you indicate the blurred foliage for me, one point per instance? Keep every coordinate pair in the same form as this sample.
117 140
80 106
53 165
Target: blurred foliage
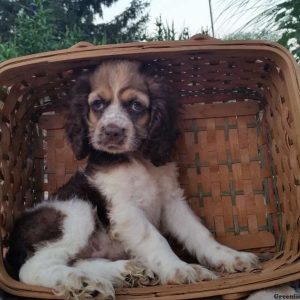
38 27
256 35
166 32
288 20
128 26
32 26
80 14
44 25
65 13
277 20
7 50
34 32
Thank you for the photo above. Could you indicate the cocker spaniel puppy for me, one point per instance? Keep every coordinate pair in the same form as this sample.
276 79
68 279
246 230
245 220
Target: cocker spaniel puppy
103 228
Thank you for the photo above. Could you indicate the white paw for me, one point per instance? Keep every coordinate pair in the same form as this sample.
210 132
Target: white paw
228 260
135 274
79 287
185 273
203 274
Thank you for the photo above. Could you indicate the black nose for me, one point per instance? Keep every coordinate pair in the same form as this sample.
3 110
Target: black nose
114 131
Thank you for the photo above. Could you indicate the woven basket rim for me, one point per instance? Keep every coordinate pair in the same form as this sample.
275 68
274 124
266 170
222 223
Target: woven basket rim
83 50
43 60
86 46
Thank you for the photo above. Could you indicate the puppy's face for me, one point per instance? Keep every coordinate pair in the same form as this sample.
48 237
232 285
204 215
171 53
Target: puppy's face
122 108
118 107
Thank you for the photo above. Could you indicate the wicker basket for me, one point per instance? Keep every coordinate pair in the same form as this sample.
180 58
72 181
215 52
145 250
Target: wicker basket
239 154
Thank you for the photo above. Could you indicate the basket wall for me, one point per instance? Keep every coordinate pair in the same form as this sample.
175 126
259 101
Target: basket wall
238 154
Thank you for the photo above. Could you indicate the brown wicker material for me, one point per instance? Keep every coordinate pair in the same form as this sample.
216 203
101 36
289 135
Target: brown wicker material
238 155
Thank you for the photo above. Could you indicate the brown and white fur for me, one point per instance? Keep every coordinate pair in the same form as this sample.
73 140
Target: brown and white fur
103 229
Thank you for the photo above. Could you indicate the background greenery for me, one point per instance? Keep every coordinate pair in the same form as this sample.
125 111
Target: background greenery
277 20
32 26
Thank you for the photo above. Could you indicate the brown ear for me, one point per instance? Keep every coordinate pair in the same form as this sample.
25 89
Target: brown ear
162 128
76 125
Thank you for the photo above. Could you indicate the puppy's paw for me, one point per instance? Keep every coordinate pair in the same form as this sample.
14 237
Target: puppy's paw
186 273
232 261
241 262
204 274
135 274
78 287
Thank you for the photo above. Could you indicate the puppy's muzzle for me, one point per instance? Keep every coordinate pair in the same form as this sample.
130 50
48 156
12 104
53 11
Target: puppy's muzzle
114 134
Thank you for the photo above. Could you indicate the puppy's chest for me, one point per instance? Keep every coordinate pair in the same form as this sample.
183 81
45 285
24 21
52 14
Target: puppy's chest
132 184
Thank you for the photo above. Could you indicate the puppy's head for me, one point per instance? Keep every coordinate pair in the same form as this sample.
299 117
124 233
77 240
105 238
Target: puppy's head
119 108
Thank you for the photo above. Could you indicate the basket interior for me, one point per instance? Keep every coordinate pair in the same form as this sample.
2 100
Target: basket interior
237 152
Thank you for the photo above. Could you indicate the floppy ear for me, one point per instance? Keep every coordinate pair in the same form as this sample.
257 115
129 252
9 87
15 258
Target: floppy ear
76 125
162 127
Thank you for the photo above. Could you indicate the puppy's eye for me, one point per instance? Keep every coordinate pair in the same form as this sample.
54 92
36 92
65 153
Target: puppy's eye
136 106
98 104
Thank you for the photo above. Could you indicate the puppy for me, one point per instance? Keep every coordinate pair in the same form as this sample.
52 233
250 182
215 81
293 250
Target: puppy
103 228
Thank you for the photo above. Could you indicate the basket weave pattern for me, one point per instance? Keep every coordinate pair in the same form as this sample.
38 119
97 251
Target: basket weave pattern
228 181
238 154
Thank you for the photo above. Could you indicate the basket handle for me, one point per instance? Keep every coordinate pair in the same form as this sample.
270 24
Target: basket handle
203 37
82 44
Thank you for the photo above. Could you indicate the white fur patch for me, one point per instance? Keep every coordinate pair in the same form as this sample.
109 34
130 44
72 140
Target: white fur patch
141 198
137 194
48 265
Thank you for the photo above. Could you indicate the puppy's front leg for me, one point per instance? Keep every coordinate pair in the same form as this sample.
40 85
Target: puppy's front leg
182 223
143 240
